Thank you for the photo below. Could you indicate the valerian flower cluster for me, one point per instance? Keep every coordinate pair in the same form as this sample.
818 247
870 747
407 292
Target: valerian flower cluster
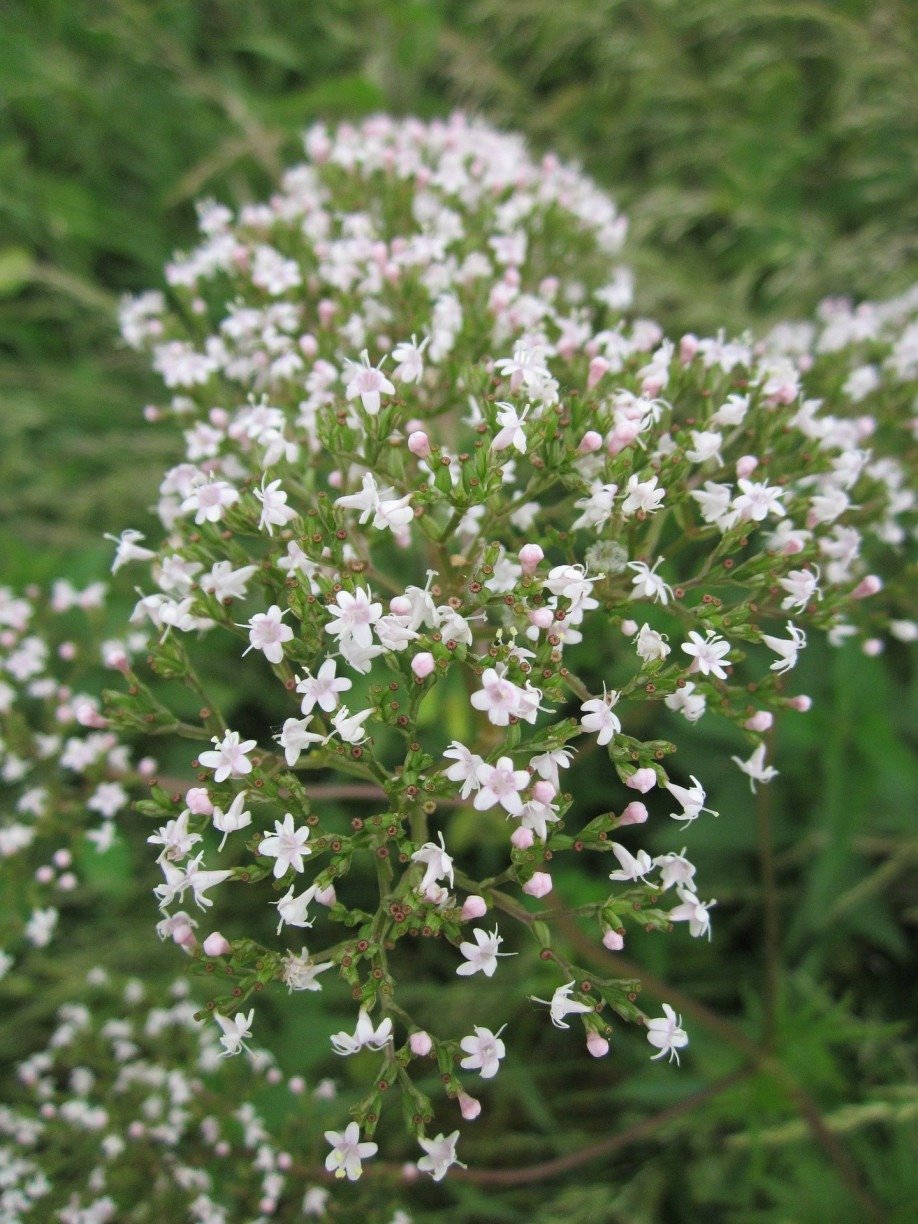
461 514
129 1088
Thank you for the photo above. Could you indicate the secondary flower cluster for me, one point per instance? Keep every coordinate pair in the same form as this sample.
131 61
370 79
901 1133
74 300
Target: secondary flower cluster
66 778
132 1098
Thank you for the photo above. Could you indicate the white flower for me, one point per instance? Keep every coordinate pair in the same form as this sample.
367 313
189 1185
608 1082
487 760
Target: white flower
437 863
229 760
511 431
707 653
674 869
274 509
755 768
598 716
757 501
300 972
485 1050
691 798
633 867
365 1036
233 819
344 1160
598 507
129 549
648 584
209 499
501 783
466 768
694 912
498 697
786 650
562 1005
267 633
353 616
441 1154
350 726
322 689
235 1031
651 645
369 383
223 582
666 1034
292 910
481 956
642 495
286 845
801 586
409 359
294 738
174 837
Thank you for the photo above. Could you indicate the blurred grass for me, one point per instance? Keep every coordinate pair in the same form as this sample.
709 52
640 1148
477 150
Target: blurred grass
766 154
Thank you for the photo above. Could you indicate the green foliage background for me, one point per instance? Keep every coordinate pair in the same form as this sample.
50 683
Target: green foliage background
766 154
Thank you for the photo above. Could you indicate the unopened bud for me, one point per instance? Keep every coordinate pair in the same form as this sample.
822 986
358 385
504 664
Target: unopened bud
530 556
198 801
867 586
543 791
419 444
590 442
469 1107
522 838
216 945
802 703
474 907
634 813
760 721
597 1044
539 886
642 780
614 941
423 664
746 465
420 1044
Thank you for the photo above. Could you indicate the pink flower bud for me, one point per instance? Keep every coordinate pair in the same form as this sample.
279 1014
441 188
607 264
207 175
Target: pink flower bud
217 945
548 286
222 1148
62 858
873 647
67 651
597 1044
543 791
410 1172
296 1084
147 767
198 801
335 479
474 907
400 606
688 347
629 628
867 586
115 657
622 436
152 414
420 1044
634 813
590 442
267 1206
469 1107
219 418
45 874
327 310
419 444
652 386
522 838
642 780
802 703
48 1110
327 896
613 940
530 556
760 721
67 882
598 367
423 664
542 618
539 886
183 935
793 546
274 1075
309 346
746 465
284 1159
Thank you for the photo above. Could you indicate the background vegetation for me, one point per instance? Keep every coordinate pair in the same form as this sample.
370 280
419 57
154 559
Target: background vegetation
765 152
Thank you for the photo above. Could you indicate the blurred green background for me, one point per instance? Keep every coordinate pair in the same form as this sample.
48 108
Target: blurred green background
766 156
